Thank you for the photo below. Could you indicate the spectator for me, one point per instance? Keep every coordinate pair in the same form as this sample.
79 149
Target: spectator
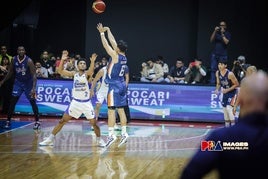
152 72
195 73
4 53
6 88
221 37
176 74
46 62
4 65
240 67
41 72
160 60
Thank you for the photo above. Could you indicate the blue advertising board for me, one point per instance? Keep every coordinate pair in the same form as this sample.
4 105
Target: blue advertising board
146 101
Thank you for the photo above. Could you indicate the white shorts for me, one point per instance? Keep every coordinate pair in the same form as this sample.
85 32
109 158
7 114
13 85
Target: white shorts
101 96
77 108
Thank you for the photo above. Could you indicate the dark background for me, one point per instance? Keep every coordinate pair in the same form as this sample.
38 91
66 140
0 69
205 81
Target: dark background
172 29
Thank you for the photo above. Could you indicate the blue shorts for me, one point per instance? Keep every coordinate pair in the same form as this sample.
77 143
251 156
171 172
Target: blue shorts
20 87
117 95
228 98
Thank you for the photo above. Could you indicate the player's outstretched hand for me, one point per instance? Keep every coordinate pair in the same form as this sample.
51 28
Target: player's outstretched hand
93 57
100 27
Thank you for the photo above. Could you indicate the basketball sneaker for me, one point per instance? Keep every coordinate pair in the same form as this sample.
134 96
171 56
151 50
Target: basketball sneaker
123 139
116 127
37 125
111 140
47 142
101 143
7 125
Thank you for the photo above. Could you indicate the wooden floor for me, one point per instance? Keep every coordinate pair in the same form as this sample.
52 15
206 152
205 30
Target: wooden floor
154 150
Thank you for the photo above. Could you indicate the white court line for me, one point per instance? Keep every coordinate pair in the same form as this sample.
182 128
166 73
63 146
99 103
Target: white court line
16 128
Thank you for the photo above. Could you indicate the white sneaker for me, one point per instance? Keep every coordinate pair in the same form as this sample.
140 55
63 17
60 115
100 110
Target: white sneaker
47 142
123 140
111 140
116 127
102 150
101 143
46 149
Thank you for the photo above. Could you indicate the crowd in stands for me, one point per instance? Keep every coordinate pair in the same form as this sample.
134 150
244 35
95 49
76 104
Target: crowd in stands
155 70
158 71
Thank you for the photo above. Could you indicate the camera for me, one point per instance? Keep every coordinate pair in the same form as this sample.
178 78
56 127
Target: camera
237 63
193 64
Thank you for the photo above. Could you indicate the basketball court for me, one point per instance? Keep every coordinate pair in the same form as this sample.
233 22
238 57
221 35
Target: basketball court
154 149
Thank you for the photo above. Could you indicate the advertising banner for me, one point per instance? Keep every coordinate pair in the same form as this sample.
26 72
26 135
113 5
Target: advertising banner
146 101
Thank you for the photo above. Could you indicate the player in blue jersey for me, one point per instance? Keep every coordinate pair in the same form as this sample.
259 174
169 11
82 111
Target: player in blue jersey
117 92
227 83
23 69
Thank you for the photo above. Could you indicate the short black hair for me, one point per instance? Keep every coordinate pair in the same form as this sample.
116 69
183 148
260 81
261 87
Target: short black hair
122 45
81 59
223 61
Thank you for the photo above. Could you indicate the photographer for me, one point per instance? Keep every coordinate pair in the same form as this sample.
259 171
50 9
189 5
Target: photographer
195 73
221 39
240 67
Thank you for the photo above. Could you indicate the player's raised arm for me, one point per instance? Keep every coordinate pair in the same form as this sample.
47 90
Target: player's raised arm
104 41
61 69
111 37
90 70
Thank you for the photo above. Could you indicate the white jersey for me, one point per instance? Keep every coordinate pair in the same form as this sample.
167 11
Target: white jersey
81 103
102 89
103 86
80 87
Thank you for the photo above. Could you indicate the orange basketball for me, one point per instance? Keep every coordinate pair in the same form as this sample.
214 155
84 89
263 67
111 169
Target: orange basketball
98 6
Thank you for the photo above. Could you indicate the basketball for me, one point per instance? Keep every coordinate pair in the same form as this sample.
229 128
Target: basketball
98 6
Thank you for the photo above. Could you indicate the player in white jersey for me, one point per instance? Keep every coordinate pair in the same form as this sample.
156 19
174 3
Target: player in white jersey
81 103
101 89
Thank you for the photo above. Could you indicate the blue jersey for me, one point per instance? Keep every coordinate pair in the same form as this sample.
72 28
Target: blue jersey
22 70
116 71
117 90
226 83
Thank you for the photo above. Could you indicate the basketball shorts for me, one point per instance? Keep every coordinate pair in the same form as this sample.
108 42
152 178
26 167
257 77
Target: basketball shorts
77 108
